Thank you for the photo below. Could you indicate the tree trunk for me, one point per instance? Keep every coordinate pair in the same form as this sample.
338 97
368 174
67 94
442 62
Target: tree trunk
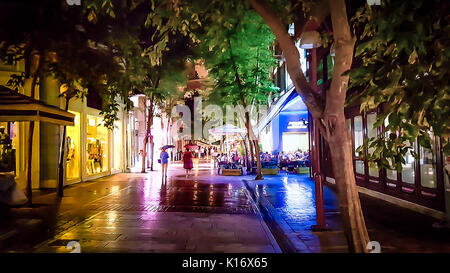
252 138
152 152
247 161
331 113
252 153
150 122
258 162
336 132
144 148
349 203
62 151
144 154
147 137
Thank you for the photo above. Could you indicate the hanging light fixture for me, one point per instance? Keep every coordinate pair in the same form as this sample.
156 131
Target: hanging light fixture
310 39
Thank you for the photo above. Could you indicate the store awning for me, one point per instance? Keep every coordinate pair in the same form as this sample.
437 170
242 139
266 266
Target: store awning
216 143
275 109
227 129
18 107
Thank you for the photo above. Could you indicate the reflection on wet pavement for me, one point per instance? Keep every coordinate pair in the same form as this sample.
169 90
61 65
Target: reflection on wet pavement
291 202
293 198
144 213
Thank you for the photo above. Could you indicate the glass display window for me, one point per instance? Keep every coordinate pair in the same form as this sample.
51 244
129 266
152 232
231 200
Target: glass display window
8 140
359 138
390 173
73 160
372 133
428 165
408 172
97 146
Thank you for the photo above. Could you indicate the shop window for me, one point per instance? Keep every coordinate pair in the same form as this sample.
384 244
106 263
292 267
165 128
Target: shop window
408 173
359 138
8 140
428 165
97 146
73 148
390 173
372 133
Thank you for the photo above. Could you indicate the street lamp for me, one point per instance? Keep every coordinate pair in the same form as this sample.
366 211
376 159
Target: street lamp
310 40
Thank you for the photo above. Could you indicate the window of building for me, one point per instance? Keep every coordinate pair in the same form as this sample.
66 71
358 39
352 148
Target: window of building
372 133
359 138
73 148
408 173
390 173
96 146
428 165
8 146
295 141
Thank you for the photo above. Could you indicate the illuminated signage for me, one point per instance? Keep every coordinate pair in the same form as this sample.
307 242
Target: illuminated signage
297 125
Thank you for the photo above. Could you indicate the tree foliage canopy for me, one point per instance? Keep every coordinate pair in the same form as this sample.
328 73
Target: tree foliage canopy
239 60
404 53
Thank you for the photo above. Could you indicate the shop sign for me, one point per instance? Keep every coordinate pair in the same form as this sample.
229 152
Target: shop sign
296 125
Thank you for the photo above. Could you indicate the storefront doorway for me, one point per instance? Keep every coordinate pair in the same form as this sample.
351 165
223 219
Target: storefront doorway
293 142
73 150
97 146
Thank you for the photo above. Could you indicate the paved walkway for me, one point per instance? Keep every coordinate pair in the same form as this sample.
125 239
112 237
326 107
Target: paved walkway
141 213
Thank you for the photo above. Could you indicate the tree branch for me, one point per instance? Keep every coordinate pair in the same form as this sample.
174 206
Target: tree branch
318 12
290 52
344 44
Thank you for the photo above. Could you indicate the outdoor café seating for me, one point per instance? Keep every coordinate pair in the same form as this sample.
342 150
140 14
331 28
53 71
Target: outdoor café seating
270 167
226 168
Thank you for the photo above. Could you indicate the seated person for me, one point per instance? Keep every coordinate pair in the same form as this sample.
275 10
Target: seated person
224 158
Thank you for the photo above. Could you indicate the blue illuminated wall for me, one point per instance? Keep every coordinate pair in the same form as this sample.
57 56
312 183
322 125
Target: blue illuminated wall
280 126
289 120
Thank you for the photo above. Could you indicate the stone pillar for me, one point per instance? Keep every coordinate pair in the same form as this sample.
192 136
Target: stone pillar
49 136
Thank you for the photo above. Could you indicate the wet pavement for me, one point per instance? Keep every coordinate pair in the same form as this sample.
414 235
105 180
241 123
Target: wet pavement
133 212
288 203
144 213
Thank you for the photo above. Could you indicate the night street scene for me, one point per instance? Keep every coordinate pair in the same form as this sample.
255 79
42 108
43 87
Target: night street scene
261 128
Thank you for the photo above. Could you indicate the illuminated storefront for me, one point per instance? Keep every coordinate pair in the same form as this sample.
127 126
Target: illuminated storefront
96 146
288 129
8 146
73 149
93 150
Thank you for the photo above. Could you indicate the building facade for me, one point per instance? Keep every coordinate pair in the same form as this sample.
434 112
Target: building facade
423 185
92 150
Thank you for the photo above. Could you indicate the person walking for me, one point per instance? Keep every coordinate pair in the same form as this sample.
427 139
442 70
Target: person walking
164 157
187 162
